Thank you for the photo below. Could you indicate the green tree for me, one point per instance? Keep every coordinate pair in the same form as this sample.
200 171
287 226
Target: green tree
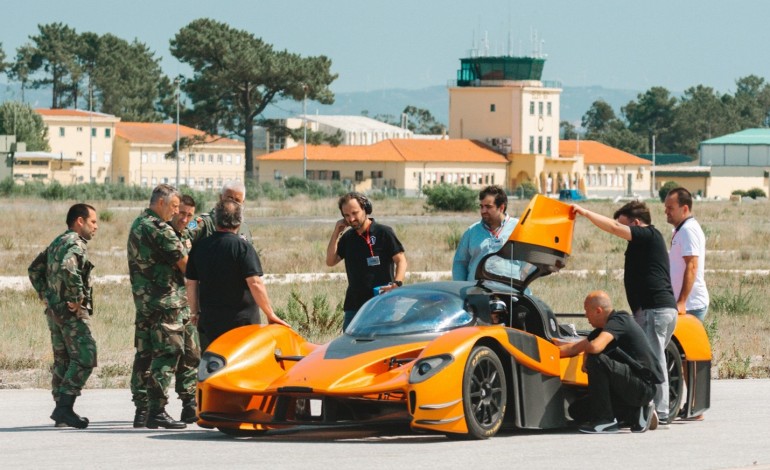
702 113
752 102
567 131
21 69
599 118
55 48
421 121
3 65
22 121
128 81
237 75
653 115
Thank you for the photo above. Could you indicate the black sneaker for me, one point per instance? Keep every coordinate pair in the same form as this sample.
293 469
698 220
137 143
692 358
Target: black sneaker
609 427
644 419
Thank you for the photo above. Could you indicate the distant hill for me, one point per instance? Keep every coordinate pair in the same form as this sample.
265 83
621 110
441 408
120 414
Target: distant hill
575 101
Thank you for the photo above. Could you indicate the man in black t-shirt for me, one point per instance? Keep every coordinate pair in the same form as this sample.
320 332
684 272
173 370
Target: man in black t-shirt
224 279
621 367
647 281
371 252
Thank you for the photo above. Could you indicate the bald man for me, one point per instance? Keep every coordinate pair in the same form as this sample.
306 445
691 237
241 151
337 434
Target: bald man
621 367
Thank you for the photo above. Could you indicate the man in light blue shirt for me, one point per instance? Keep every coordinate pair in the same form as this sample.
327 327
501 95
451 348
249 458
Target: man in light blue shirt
486 236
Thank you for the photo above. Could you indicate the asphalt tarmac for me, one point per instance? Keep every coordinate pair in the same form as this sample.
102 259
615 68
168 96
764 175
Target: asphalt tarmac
735 434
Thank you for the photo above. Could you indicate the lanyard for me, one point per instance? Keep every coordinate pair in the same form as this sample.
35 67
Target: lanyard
499 229
676 230
368 240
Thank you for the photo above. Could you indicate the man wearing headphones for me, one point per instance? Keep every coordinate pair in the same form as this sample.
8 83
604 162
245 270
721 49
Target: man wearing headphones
370 252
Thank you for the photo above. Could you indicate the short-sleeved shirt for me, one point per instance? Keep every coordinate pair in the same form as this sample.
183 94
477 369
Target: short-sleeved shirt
153 251
629 337
363 278
646 273
689 240
221 263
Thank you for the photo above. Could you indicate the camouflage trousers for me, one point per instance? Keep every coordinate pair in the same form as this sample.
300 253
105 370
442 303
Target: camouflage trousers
157 338
74 351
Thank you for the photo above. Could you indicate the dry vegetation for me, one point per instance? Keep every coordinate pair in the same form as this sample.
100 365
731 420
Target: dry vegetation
292 235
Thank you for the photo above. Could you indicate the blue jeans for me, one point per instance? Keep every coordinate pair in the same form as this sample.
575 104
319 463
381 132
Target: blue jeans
658 325
699 313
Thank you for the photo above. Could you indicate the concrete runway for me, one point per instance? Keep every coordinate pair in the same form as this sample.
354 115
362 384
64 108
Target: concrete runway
735 434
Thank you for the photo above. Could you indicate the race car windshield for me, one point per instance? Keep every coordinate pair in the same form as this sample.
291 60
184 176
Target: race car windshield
412 312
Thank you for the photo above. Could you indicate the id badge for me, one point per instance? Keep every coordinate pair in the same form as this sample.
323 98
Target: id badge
373 261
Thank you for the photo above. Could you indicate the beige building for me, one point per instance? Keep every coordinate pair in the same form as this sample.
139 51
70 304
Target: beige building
609 172
81 147
503 102
402 165
141 149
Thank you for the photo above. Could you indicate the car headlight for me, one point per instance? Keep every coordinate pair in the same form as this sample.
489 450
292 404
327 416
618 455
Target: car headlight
428 367
210 364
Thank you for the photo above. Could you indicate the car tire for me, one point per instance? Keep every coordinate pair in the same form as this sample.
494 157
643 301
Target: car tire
675 380
484 393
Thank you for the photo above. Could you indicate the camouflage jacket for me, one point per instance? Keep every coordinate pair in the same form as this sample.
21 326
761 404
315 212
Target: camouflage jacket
62 272
203 225
186 239
153 251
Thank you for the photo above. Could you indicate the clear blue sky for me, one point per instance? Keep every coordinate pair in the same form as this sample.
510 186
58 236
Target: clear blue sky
418 43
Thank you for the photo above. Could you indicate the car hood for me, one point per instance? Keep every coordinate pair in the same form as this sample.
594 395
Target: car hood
539 245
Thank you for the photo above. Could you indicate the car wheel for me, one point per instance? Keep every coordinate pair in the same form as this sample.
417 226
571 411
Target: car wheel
235 432
675 380
484 393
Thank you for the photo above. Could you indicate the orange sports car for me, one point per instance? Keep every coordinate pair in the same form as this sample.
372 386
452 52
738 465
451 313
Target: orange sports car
460 358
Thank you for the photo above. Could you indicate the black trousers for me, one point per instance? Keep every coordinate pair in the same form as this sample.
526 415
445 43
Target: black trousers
614 389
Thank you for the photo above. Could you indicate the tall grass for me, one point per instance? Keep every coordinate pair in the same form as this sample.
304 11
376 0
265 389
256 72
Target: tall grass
292 235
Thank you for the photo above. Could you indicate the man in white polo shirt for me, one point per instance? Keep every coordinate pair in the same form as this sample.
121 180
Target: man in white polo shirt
687 255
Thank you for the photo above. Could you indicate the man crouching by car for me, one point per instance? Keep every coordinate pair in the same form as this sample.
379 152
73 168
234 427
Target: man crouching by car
621 367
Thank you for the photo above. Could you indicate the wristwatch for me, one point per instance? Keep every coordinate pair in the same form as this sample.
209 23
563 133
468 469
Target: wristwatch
398 283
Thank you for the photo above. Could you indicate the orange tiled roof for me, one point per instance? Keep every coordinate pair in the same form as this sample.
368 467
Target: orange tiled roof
596 153
70 113
162 133
395 150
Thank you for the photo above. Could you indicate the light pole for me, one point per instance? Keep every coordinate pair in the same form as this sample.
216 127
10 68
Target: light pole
652 191
90 134
177 131
304 131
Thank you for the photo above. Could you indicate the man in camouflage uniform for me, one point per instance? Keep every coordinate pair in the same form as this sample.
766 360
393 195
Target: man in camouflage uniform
61 275
154 254
187 369
204 226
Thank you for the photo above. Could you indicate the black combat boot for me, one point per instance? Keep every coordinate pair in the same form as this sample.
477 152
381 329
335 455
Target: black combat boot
63 413
161 419
189 411
140 418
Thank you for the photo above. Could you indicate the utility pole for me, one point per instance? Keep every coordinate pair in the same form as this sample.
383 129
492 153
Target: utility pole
90 134
652 191
177 131
304 132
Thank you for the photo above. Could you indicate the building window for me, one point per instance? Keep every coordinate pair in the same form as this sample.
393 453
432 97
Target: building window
237 159
548 146
191 182
548 108
153 159
61 132
531 108
335 175
220 159
540 144
359 176
144 158
323 175
532 144
491 108
540 108
211 158
107 157
80 129
192 158
107 132
93 132
229 159
182 157
202 158
93 157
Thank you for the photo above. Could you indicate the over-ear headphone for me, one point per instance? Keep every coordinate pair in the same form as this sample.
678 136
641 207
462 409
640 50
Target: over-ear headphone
363 201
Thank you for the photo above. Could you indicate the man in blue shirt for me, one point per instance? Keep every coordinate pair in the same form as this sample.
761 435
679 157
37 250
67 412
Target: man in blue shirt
485 236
